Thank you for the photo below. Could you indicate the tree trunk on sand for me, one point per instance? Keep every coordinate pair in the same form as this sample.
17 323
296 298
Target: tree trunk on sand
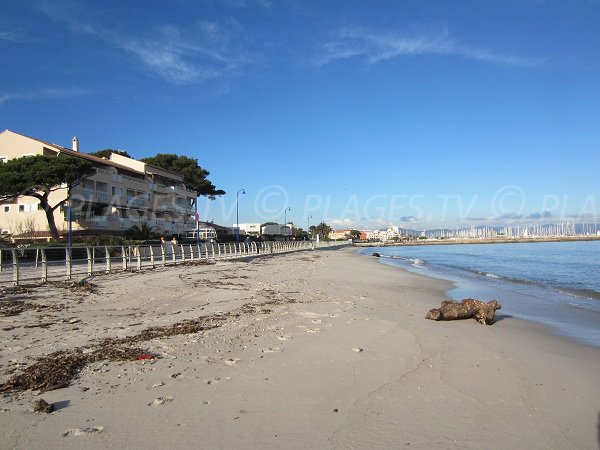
50 218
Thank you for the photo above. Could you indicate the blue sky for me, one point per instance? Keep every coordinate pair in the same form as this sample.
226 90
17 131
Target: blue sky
414 113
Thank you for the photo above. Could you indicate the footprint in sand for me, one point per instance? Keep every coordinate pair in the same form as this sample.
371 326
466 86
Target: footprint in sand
271 350
231 361
217 380
284 337
317 321
83 431
160 401
313 330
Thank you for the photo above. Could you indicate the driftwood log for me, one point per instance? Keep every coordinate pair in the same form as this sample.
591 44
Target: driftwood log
482 312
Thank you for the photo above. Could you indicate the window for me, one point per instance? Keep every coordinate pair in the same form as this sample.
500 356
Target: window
6 208
21 208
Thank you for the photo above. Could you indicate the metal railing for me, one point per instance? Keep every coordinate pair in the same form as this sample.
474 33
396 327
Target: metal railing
34 265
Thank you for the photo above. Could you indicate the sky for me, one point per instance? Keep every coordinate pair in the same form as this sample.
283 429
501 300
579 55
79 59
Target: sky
364 114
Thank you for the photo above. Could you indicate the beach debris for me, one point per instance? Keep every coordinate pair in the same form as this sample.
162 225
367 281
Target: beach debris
58 369
83 431
42 406
357 349
14 307
376 255
161 401
482 312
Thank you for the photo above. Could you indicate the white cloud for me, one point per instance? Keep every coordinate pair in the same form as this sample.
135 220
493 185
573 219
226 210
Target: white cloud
180 55
341 223
374 47
48 93
10 36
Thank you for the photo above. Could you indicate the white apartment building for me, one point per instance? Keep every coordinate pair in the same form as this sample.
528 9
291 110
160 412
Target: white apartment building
384 235
122 193
248 228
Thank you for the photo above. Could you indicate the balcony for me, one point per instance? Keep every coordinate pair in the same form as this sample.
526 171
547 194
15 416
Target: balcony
166 207
135 201
102 196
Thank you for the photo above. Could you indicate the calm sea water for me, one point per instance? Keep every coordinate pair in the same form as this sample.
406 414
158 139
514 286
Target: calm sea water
553 283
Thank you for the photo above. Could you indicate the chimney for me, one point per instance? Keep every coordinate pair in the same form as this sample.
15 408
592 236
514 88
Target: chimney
75 144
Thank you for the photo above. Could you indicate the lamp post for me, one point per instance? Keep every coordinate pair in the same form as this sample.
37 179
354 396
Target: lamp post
285 218
237 213
308 227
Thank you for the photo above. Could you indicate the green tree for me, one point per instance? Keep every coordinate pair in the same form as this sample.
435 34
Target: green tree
106 153
323 230
194 176
355 234
38 176
268 223
299 233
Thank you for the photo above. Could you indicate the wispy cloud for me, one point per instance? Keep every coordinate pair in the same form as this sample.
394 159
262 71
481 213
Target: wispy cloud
195 53
11 36
47 93
374 47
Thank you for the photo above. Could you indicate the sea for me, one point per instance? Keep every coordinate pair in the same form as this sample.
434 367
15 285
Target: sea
552 283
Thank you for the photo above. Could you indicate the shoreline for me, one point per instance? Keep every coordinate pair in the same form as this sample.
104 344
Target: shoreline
541 304
477 241
321 349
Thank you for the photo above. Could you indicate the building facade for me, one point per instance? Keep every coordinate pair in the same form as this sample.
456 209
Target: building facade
122 192
252 229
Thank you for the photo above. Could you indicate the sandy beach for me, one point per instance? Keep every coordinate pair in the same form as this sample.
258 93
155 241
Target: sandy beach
316 349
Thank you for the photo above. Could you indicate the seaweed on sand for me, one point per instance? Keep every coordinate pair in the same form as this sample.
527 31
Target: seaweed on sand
57 370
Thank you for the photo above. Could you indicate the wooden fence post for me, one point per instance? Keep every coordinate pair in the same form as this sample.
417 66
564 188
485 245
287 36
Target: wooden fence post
44 266
107 255
15 261
152 256
139 258
90 261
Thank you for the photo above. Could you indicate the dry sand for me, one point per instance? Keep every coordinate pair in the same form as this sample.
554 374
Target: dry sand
334 353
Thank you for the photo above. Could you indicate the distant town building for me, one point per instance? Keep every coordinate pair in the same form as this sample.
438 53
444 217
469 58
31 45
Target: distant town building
252 229
277 230
123 192
392 233
340 234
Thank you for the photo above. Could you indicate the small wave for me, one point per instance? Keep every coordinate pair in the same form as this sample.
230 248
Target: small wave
417 262
490 275
585 293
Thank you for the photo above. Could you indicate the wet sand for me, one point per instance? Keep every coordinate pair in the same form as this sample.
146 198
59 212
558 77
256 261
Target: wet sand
318 349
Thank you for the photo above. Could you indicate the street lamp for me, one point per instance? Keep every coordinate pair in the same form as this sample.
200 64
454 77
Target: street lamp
308 227
285 217
237 213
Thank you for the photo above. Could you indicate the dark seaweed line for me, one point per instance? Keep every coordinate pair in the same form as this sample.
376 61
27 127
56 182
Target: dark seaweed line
57 370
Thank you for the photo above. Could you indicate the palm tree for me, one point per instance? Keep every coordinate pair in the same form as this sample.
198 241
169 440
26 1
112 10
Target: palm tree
141 232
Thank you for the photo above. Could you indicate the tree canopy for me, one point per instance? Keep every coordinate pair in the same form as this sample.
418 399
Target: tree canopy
194 176
106 153
323 230
37 176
